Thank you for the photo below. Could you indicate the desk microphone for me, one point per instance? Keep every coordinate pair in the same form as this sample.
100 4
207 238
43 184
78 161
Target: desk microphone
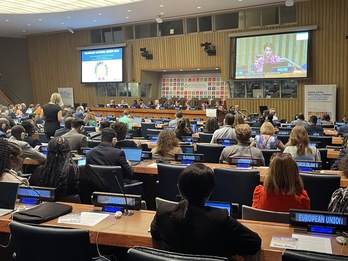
126 211
14 174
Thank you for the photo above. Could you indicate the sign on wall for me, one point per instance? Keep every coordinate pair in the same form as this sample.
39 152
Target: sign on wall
320 100
67 94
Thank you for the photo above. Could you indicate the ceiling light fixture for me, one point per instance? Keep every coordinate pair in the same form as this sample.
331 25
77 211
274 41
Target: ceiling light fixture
159 20
289 3
71 30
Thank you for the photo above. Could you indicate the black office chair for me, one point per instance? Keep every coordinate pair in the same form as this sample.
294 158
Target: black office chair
43 138
283 138
322 141
267 154
168 176
112 175
152 132
205 137
211 152
303 255
93 143
251 213
47 243
145 126
324 160
89 129
151 254
237 186
319 188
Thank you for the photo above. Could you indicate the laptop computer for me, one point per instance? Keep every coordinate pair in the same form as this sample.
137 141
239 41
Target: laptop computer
133 155
8 196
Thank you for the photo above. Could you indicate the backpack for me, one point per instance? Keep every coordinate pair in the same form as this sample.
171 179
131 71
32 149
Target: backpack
339 201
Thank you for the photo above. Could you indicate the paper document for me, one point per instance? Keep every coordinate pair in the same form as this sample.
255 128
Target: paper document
313 243
85 218
284 242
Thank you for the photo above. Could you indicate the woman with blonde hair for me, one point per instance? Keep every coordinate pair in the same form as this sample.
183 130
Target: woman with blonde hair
298 145
283 187
238 119
52 114
167 145
90 119
267 139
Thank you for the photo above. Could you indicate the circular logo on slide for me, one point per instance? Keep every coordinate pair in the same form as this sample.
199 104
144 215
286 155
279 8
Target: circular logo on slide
101 70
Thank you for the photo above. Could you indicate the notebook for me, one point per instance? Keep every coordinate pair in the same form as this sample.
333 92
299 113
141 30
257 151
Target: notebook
133 155
8 196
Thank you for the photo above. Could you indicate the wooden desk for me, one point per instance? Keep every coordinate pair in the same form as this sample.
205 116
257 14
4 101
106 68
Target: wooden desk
332 154
330 132
133 231
143 113
337 140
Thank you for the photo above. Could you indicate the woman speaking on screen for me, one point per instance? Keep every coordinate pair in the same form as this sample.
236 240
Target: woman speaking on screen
267 57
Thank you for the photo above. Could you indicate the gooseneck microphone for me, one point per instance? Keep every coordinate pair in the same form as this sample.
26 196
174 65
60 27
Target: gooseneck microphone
126 211
14 174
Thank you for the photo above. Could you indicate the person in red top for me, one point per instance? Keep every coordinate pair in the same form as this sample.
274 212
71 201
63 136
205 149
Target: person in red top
283 187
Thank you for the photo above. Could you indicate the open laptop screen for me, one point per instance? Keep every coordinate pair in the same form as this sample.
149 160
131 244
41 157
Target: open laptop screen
132 154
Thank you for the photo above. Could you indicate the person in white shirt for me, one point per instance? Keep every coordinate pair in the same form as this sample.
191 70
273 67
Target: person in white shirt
227 132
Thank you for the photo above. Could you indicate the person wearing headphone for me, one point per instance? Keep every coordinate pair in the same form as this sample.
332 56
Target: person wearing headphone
77 140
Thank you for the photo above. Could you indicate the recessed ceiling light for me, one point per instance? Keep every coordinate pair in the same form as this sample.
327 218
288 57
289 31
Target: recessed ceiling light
68 17
39 19
199 7
99 14
129 10
29 24
161 5
127 17
61 23
23 31
7 20
162 13
94 20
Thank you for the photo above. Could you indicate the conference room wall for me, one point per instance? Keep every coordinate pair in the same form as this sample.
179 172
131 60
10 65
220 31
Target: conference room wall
14 68
55 62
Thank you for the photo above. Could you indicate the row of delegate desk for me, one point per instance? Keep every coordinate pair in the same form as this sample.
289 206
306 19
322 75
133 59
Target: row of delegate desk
133 230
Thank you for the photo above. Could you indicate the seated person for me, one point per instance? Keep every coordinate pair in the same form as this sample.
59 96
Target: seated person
227 132
326 120
30 130
182 129
167 145
242 149
298 147
4 127
97 134
66 129
106 154
299 120
18 135
312 126
283 187
80 113
11 160
121 132
211 126
343 153
238 119
267 139
174 123
190 227
90 119
126 119
77 140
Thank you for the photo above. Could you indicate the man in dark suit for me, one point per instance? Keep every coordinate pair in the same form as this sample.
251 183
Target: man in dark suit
106 154
5 114
77 140
66 129
312 126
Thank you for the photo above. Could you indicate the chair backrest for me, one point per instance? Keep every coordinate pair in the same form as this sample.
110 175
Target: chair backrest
168 176
93 143
89 129
205 137
319 188
211 152
149 254
250 213
234 185
111 175
267 154
323 141
43 138
56 244
153 132
283 138
303 255
145 126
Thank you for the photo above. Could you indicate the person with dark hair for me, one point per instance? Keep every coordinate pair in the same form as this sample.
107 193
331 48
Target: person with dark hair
18 135
77 140
243 148
282 188
299 120
312 126
121 132
343 153
167 145
59 171
211 125
190 227
30 130
141 104
126 119
182 129
267 57
106 154
52 114
227 132
32 118
326 120
4 127
4 113
11 160
97 134
135 105
174 123
298 145
66 129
